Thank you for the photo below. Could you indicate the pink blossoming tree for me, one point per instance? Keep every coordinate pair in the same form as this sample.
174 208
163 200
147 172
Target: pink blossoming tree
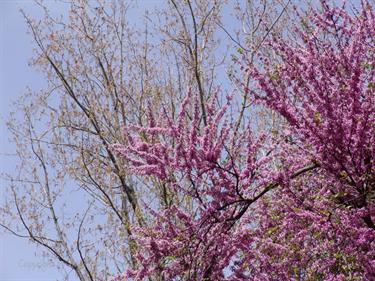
296 204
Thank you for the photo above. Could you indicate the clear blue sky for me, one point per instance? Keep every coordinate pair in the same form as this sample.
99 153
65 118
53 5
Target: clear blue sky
17 259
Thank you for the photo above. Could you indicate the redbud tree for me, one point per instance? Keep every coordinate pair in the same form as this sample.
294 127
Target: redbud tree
292 204
104 64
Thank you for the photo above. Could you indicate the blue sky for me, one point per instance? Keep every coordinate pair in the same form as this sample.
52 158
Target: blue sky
17 259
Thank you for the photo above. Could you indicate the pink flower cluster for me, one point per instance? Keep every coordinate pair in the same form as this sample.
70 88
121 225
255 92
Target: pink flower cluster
296 206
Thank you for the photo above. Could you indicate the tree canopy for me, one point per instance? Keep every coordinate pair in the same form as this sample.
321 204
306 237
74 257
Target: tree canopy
191 147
